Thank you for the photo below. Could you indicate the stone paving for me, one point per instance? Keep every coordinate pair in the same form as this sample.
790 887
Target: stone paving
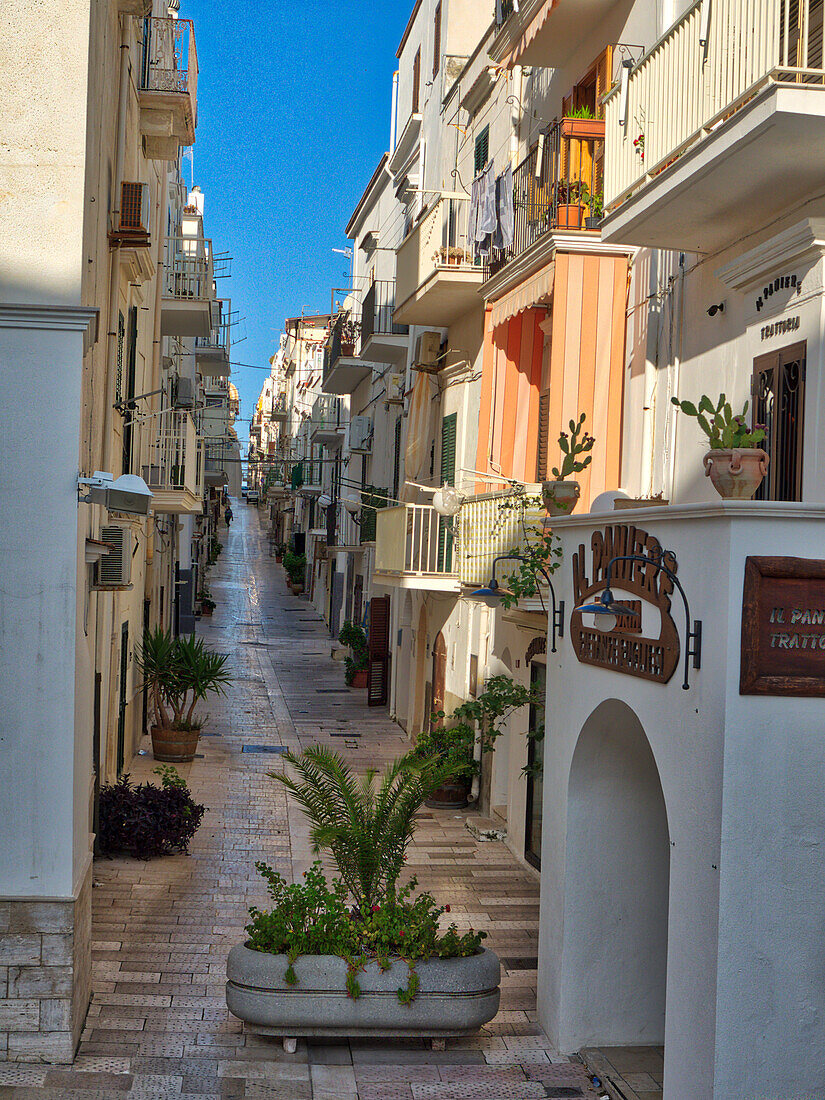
158 1024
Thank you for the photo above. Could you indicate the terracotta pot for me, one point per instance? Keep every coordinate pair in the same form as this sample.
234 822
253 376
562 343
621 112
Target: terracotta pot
560 497
207 611
453 795
174 746
583 129
347 349
279 558
569 215
738 473
359 680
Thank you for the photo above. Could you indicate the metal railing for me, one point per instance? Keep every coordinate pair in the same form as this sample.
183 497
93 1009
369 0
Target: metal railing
217 341
557 187
342 340
174 454
280 409
487 528
377 310
409 542
187 269
438 241
718 55
328 412
169 63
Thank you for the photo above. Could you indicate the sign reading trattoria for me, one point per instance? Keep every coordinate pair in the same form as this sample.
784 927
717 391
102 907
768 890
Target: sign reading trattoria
783 627
624 648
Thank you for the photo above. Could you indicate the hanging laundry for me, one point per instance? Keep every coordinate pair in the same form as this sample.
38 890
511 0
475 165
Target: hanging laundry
475 203
487 209
505 212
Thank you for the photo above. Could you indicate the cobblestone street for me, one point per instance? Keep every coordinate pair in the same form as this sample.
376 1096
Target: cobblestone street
158 1025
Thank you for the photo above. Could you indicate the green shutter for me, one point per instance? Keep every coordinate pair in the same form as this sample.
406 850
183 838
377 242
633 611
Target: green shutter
445 539
482 151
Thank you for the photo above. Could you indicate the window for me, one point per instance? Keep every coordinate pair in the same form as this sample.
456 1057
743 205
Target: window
482 151
779 403
416 89
543 446
437 41
449 427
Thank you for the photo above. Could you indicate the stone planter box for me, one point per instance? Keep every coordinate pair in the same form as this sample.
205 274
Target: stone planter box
456 996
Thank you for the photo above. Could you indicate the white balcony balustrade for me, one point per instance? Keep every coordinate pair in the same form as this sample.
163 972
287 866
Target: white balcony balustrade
719 126
414 548
175 468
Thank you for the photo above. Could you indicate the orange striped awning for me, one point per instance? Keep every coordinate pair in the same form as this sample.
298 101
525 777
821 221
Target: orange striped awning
529 33
525 295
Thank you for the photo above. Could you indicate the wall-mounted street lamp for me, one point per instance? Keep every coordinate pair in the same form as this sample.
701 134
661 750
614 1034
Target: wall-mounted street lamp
608 608
492 594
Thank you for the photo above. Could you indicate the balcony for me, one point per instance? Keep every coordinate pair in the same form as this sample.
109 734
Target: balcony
413 549
174 472
557 189
280 409
311 476
486 530
328 421
212 351
437 277
698 171
546 35
217 456
344 371
188 287
168 86
382 340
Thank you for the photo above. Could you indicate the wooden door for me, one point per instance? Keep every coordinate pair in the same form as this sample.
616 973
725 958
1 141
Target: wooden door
379 652
779 404
439 673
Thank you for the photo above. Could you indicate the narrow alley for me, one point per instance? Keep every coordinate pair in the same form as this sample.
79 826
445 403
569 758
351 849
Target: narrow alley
158 1024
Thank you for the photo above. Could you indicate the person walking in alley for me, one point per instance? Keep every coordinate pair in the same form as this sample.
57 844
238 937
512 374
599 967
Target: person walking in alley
227 515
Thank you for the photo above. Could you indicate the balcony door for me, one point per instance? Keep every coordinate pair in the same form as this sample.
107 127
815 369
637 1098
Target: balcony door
449 427
779 403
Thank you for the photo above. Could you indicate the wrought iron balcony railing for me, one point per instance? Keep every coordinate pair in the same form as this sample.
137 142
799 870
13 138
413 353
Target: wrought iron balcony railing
377 310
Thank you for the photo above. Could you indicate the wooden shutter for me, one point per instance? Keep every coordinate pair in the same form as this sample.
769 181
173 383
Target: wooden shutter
437 41
396 459
604 78
131 368
445 539
379 652
482 151
543 445
416 88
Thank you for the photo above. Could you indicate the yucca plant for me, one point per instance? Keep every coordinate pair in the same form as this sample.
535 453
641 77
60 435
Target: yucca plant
366 822
179 673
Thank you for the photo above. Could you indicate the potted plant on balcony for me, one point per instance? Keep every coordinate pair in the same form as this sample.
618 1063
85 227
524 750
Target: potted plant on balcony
735 463
178 673
561 496
357 662
572 198
360 955
350 331
582 125
453 256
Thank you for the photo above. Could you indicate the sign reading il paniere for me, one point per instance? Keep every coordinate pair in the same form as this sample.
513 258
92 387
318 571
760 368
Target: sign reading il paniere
783 627
625 648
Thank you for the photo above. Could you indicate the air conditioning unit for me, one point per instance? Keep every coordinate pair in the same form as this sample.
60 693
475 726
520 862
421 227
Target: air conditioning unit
395 389
360 434
114 570
131 221
427 351
184 393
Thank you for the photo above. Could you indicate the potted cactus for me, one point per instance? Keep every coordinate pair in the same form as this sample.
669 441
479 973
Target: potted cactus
735 463
562 495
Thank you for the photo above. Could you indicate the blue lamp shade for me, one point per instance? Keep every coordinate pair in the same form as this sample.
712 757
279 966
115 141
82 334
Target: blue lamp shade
607 605
491 594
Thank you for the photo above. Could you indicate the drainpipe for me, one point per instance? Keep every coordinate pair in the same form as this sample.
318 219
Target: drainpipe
114 280
515 113
394 112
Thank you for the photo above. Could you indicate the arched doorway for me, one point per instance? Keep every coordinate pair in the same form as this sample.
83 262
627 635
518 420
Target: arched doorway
439 673
616 886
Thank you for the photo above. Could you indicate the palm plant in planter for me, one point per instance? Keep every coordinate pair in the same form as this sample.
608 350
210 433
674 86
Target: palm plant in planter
178 673
360 955
735 463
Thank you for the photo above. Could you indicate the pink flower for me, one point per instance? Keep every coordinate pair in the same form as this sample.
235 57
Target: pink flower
446 909
374 909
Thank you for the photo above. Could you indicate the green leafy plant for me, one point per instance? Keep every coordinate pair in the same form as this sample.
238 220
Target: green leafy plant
578 443
581 112
536 552
295 566
206 601
178 673
367 824
314 918
453 744
145 821
353 635
724 430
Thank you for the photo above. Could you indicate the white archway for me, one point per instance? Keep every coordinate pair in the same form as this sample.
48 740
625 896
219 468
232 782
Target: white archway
616 886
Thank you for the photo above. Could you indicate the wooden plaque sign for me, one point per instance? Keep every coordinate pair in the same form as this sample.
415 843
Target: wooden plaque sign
625 649
783 627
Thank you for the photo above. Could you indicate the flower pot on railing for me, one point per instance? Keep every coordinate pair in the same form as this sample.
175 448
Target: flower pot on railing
570 215
560 497
583 129
736 474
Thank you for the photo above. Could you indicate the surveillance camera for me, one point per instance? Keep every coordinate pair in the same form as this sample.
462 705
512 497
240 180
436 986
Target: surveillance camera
716 309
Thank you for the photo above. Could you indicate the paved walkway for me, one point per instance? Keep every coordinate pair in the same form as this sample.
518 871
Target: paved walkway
158 1024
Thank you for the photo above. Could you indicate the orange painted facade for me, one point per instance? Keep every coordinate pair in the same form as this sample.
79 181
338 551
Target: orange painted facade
572 352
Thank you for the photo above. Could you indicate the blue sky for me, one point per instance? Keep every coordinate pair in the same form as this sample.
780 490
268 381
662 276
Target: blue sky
293 115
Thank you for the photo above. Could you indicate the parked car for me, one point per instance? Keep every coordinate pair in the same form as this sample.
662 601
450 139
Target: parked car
252 496
244 489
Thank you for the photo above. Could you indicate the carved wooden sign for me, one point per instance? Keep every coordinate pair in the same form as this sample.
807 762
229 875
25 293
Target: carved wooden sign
624 648
783 627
